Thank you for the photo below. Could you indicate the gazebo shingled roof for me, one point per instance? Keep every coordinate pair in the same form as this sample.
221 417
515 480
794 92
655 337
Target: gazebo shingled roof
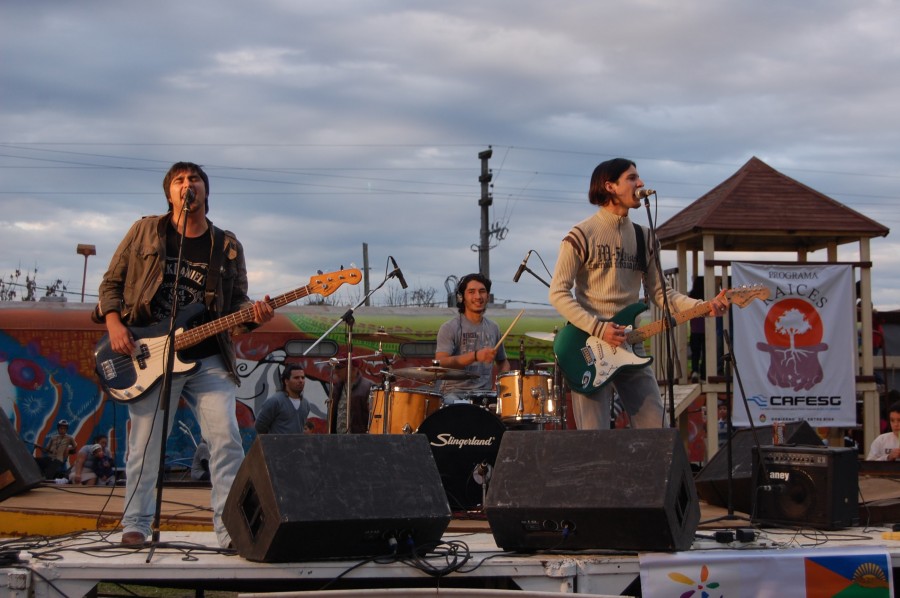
760 209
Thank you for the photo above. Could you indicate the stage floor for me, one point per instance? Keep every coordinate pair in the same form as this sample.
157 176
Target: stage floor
71 546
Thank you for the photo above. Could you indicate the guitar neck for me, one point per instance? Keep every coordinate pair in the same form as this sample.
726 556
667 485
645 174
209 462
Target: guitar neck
653 328
191 337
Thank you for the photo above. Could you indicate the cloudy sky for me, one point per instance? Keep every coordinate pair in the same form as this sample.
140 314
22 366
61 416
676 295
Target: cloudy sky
324 126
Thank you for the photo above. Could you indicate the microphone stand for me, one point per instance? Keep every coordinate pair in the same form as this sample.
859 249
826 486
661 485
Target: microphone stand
560 386
332 363
165 393
732 365
667 314
533 273
348 318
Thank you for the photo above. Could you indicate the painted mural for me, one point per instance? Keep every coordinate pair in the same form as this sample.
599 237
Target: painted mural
47 366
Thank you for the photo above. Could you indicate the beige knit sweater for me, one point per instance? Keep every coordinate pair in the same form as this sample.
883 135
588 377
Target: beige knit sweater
598 274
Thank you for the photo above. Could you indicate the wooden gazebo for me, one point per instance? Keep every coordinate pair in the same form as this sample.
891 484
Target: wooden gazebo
759 210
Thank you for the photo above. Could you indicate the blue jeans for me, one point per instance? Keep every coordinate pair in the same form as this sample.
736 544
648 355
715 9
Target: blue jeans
210 393
639 392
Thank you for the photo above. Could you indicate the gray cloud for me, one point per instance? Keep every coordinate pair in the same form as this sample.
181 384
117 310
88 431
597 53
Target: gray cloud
324 127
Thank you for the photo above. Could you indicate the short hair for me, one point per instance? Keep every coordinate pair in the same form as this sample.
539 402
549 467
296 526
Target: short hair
100 437
289 368
180 167
606 172
464 282
894 408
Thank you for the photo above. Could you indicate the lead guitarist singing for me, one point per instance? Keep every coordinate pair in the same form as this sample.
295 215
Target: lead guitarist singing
136 291
601 266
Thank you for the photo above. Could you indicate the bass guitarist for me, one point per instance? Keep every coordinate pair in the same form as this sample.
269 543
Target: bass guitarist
136 291
601 266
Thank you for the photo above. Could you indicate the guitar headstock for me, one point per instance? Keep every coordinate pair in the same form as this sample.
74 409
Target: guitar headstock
326 284
742 296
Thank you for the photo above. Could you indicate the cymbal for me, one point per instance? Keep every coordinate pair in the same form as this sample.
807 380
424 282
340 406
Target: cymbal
334 361
542 336
545 364
434 373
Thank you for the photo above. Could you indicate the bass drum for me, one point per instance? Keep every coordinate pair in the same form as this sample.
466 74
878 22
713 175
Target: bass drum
464 440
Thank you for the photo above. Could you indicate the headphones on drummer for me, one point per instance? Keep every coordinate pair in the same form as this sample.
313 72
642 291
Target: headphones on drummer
464 282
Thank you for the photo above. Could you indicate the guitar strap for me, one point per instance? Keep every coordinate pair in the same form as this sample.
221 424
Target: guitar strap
215 265
641 247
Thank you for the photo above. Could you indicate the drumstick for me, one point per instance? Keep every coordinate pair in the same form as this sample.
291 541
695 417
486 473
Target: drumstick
503 338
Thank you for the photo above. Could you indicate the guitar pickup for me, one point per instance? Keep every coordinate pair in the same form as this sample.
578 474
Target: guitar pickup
588 354
143 354
108 368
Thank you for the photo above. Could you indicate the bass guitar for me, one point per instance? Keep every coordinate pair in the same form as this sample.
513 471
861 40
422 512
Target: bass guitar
588 362
128 378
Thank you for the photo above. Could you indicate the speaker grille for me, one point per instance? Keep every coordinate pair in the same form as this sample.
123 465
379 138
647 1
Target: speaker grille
805 486
579 490
712 481
18 469
310 496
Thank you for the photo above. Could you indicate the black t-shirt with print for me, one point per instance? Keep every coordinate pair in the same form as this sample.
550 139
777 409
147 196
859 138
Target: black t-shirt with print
191 284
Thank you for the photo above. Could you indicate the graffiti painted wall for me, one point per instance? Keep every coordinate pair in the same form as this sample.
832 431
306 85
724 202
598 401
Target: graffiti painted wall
47 365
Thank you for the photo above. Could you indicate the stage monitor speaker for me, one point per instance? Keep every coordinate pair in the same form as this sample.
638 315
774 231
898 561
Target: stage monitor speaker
18 469
806 486
712 480
583 489
311 496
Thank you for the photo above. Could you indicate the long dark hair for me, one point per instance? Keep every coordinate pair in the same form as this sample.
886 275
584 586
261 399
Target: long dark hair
606 172
464 282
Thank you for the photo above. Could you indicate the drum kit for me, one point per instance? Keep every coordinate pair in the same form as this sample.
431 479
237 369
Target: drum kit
465 436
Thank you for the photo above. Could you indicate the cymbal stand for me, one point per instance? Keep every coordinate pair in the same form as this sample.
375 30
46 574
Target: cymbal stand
520 408
347 317
559 382
332 364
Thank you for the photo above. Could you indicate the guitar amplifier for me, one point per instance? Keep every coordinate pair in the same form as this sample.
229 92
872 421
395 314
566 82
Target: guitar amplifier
805 486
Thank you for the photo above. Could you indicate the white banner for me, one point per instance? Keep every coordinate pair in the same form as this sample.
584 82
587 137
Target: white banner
813 573
795 351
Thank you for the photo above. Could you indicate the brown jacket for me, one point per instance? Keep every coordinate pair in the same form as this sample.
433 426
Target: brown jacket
136 271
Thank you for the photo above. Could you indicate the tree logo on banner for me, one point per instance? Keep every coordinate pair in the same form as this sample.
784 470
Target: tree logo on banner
794 332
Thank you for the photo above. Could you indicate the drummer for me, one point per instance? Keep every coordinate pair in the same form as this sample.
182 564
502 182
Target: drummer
467 342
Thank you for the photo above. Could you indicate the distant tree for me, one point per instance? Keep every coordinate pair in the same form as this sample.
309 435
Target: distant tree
424 297
56 287
414 298
8 287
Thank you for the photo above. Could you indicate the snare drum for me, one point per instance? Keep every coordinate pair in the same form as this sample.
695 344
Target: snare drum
486 399
408 409
527 398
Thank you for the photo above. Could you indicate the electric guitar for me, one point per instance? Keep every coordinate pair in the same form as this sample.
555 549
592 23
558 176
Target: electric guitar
588 362
128 378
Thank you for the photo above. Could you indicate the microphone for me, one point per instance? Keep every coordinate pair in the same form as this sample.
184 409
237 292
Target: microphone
522 266
398 273
189 197
643 193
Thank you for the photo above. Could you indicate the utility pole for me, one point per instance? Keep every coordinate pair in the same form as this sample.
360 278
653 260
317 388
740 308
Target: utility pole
366 272
484 257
